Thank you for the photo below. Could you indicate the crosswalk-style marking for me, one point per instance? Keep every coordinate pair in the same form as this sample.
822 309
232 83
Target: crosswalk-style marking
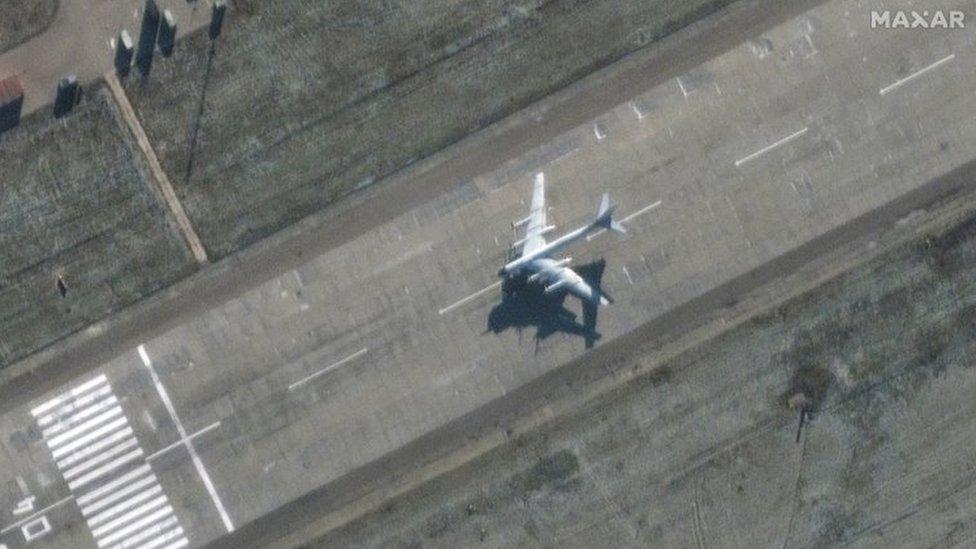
100 458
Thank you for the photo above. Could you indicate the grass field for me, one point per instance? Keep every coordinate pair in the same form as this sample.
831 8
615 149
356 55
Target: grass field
301 101
20 20
704 451
74 203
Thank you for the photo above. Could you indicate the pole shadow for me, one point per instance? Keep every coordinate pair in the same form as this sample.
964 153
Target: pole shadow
526 305
201 107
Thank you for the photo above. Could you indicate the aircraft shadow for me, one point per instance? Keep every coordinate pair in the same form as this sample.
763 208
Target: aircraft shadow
526 305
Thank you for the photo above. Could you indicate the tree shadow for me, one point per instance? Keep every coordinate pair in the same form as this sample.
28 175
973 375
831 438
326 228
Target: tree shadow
526 305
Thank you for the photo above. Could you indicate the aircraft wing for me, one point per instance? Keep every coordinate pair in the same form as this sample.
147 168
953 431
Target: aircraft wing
579 287
557 277
536 226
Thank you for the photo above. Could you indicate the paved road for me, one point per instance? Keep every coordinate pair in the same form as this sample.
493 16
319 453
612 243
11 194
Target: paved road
79 41
363 349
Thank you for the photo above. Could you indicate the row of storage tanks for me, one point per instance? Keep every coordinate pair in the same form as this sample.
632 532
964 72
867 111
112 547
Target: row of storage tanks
158 28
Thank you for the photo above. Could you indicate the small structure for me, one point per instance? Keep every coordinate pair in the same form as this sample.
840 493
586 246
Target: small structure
11 102
62 287
217 18
123 54
68 95
167 34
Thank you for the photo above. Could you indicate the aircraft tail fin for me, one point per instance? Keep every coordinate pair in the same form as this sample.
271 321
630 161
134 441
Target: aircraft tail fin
604 216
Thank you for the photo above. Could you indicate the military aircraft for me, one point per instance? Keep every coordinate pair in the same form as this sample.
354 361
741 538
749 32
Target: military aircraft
536 262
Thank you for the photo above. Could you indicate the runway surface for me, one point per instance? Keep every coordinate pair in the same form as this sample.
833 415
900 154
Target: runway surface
361 350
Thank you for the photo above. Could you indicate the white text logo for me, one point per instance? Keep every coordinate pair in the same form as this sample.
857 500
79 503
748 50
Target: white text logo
899 19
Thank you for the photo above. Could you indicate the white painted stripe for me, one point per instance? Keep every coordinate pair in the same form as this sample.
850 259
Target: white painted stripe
469 298
147 533
102 490
169 537
94 382
64 396
89 411
75 404
916 74
144 356
162 451
141 523
178 545
100 458
48 405
104 469
120 494
640 115
84 426
94 435
768 148
142 496
353 356
627 274
197 462
641 211
129 516
93 448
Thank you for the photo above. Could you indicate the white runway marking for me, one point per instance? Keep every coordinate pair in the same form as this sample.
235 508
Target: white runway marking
135 526
67 397
74 431
146 487
89 451
94 435
627 274
128 444
469 298
176 444
71 420
156 530
640 115
306 379
95 449
201 470
641 211
897 84
768 148
127 517
84 500
104 469
138 499
62 414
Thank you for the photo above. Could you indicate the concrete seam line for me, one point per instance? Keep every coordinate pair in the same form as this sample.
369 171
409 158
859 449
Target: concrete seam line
159 178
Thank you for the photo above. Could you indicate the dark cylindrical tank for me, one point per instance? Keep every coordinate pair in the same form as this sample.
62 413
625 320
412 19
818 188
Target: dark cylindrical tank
217 17
167 34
